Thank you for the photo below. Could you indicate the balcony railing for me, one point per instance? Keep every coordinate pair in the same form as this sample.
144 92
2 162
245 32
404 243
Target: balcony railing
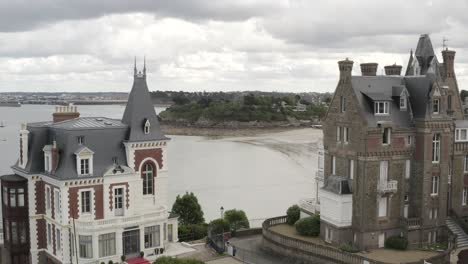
410 223
129 220
388 186
310 205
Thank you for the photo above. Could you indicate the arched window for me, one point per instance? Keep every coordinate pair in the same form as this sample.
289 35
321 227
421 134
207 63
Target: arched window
147 127
148 174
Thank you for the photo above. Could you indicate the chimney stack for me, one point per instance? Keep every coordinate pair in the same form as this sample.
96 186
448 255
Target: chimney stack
393 69
63 113
369 69
449 58
346 67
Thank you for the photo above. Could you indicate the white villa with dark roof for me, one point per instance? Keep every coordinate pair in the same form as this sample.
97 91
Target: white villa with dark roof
90 189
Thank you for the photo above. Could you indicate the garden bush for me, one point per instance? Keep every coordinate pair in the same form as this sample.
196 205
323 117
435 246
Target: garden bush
396 242
293 214
192 232
349 248
171 260
309 226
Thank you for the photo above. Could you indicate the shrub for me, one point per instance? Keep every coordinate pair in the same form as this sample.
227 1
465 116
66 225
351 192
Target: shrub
123 257
396 242
349 248
293 213
102 262
309 226
171 260
219 225
110 262
192 232
188 209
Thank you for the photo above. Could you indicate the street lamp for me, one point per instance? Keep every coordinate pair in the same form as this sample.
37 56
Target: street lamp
222 212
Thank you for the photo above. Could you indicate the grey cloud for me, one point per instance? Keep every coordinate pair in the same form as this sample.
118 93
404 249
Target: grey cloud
21 15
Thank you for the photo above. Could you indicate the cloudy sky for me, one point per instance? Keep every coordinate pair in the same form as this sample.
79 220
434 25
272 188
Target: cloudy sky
196 45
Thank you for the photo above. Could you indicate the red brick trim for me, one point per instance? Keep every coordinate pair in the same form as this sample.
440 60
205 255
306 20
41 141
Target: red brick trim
142 154
41 233
40 197
98 203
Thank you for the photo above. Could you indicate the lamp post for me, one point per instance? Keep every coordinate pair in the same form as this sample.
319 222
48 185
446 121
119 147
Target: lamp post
222 212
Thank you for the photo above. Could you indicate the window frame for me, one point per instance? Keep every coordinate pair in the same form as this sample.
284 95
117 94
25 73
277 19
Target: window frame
343 104
381 108
84 204
148 182
351 169
333 165
404 101
85 246
407 169
387 136
107 245
346 135
435 182
152 236
84 166
436 139
436 106
465 196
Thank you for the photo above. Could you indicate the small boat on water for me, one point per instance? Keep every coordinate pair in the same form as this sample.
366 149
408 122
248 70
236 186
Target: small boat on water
1 124
9 104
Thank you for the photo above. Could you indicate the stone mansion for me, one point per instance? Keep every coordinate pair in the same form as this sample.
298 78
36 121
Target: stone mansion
89 189
395 152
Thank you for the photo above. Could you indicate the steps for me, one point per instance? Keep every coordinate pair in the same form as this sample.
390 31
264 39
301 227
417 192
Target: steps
462 237
137 261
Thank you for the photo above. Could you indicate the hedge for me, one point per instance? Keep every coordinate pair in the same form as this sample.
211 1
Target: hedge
396 242
309 226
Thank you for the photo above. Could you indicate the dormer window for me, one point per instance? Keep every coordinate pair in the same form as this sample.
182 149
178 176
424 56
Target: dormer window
84 161
403 103
435 106
147 127
381 108
47 158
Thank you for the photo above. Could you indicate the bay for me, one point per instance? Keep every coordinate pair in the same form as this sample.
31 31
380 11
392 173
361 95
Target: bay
262 175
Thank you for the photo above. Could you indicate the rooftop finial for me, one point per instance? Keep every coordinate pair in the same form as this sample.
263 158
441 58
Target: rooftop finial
444 43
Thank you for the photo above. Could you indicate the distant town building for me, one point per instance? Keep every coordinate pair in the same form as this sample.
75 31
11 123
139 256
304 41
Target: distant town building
396 155
89 189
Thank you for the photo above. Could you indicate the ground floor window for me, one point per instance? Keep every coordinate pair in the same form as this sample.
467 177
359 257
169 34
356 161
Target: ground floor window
86 246
152 238
107 245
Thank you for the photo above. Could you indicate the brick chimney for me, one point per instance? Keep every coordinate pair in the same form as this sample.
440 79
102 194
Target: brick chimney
369 69
63 113
449 58
346 67
393 69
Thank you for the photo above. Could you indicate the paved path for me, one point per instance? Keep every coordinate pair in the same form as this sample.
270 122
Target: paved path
227 260
249 251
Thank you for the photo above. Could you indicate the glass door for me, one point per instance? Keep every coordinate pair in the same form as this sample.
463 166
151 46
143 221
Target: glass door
118 201
131 242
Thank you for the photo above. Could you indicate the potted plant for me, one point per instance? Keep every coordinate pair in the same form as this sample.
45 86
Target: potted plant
142 254
123 258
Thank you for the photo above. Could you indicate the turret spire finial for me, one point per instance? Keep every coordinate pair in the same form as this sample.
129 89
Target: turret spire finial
135 68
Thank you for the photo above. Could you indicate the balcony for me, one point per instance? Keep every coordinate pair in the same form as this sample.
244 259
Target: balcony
411 223
387 187
121 221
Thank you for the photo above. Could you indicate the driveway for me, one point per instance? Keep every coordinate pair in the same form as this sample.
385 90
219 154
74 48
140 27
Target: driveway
249 251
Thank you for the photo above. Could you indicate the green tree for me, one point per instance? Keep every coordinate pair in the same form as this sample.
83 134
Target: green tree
172 260
236 219
188 209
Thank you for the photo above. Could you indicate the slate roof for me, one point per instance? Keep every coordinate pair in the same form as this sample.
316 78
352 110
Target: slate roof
139 109
103 136
13 178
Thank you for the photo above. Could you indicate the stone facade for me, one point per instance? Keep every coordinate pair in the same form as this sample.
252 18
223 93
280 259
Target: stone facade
392 138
